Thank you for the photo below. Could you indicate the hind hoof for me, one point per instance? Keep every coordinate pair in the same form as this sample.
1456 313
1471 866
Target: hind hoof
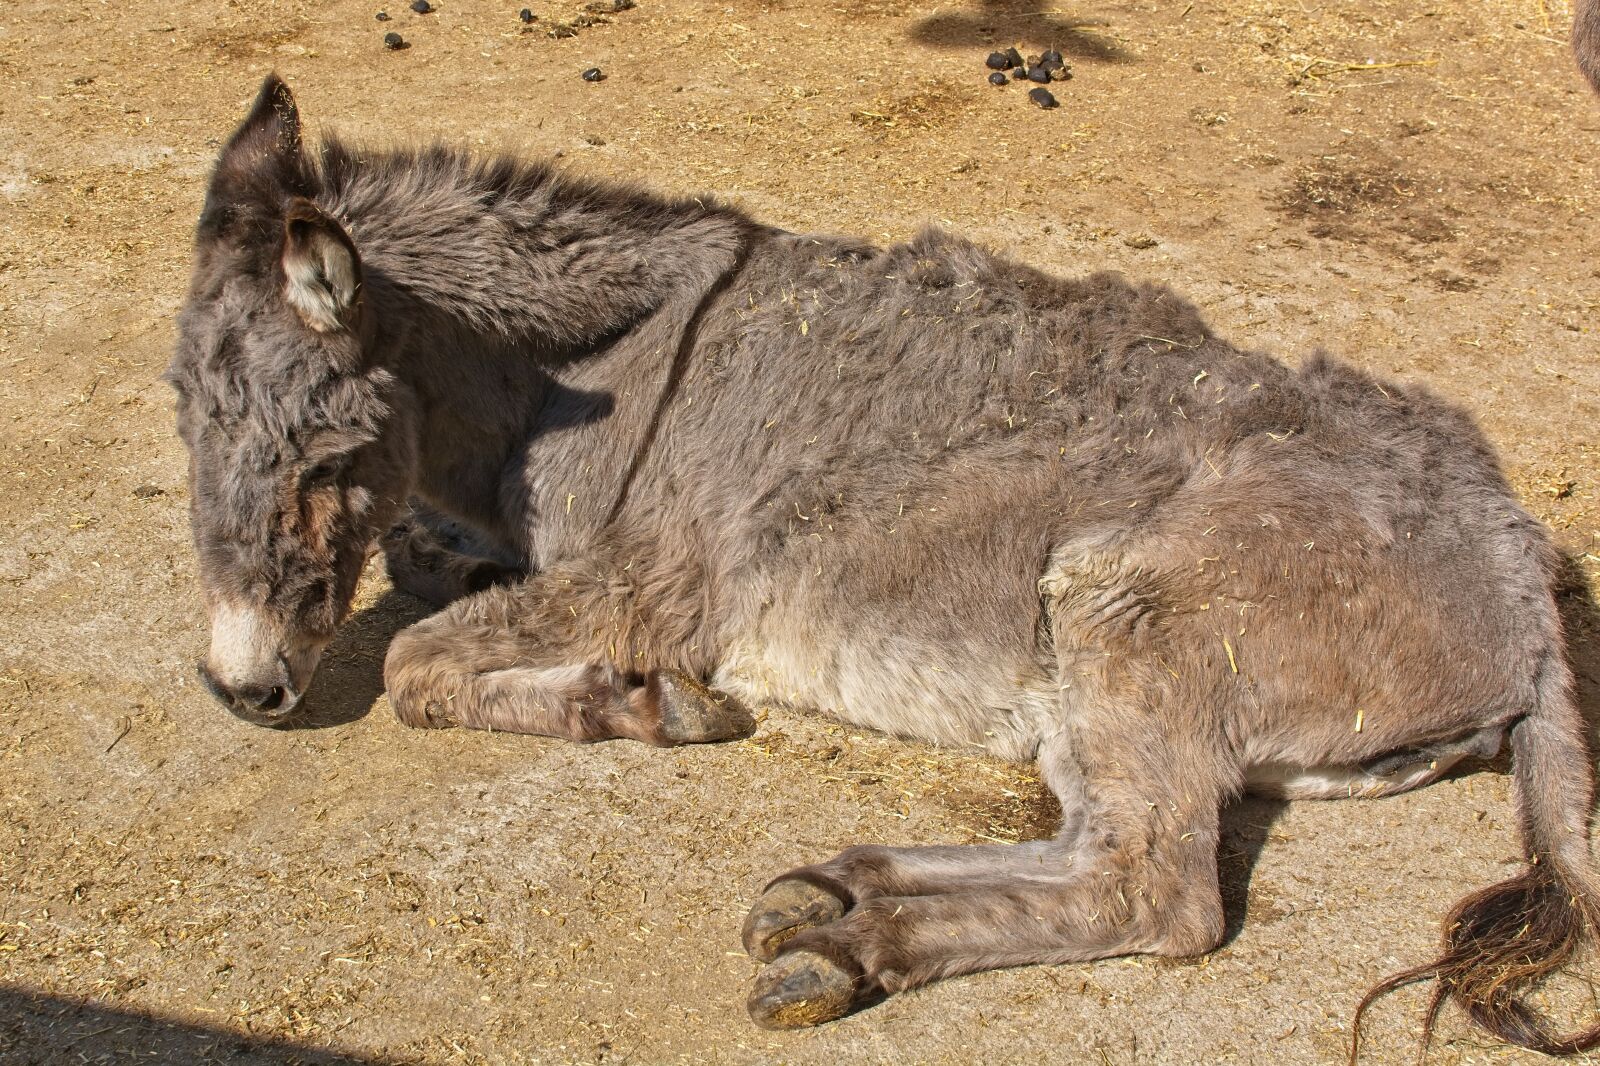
790 906
691 713
800 990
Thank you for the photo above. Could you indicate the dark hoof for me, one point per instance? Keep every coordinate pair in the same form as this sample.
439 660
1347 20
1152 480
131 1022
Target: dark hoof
799 990
1390 765
422 714
790 906
486 575
691 713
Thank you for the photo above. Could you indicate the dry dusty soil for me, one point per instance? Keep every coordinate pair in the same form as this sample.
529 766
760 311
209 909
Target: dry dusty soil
1411 184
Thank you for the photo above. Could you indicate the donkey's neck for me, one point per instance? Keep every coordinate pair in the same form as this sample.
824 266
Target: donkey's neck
517 252
519 304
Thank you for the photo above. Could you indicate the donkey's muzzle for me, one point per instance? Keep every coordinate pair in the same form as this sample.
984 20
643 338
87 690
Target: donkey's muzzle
269 705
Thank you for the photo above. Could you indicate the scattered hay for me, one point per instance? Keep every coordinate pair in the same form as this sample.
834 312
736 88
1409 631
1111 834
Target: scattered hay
928 108
1328 188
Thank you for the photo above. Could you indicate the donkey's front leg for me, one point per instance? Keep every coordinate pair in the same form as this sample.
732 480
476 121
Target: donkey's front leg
1134 871
439 561
526 659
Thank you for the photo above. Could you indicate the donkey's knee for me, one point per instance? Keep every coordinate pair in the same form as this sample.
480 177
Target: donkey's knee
448 674
420 672
1193 925
431 665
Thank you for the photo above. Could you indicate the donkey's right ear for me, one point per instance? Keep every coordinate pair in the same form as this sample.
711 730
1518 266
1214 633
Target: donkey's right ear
321 270
262 160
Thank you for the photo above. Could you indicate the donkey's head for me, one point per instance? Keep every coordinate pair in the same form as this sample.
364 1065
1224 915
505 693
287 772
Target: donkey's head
301 445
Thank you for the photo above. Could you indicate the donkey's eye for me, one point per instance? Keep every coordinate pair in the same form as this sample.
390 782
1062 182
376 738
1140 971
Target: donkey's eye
323 472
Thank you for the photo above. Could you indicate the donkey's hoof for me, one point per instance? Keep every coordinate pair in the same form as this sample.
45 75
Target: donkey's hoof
691 713
422 714
790 906
800 989
486 574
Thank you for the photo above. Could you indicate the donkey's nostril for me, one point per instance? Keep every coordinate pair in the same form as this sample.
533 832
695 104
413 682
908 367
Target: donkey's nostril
261 704
263 699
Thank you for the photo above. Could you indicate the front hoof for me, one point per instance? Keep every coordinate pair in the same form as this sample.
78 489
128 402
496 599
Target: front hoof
422 714
799 990
788 907
485 575
691 713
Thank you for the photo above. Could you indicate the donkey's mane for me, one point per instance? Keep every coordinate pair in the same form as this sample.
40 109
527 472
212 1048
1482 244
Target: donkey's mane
475 235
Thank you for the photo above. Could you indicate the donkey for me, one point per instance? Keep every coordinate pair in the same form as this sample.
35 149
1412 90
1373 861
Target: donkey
674 462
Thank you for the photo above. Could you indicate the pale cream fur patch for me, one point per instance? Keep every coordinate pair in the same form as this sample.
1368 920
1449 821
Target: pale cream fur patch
320 280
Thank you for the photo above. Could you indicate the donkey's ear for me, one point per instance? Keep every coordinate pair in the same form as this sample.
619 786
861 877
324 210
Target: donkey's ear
321 270
273 123
262 159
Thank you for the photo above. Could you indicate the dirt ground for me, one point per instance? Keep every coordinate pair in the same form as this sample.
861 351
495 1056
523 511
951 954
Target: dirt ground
1412 185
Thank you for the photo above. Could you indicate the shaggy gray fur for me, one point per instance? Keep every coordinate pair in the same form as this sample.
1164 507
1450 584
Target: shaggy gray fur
1586 39
923 488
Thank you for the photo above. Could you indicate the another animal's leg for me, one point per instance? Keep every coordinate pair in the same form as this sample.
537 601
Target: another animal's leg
543 657
435 560
1398 771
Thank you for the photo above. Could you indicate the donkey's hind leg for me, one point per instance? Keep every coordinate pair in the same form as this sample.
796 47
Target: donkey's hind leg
810 896
1138 875
523 659
440 561
1142 770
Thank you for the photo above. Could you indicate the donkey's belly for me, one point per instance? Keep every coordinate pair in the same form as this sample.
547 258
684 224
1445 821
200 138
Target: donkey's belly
999 703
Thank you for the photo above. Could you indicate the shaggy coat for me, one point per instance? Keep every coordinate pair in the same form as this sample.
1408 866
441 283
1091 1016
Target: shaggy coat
1586 39
921 488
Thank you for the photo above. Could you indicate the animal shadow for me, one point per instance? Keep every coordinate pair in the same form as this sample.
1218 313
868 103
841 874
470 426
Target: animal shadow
350 677
1246 826
42 1030
1004 22
1580 620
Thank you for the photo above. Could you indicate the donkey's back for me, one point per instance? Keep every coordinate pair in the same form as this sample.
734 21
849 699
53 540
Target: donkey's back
928 435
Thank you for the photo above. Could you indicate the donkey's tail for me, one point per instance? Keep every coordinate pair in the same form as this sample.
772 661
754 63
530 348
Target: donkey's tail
1503 939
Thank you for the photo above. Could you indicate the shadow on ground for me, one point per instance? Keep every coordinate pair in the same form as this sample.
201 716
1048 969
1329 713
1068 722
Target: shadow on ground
1246 827
350 678
1580 619
1020 22
43 1030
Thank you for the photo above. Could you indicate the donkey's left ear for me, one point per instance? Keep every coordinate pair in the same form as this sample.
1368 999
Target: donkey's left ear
321 270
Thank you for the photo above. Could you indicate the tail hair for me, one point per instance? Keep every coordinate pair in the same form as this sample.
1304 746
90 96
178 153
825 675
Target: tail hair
1501 941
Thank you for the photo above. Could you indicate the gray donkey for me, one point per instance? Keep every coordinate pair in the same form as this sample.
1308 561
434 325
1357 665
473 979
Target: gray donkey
703 462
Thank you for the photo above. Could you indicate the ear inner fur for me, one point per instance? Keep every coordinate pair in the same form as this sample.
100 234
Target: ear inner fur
322 271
